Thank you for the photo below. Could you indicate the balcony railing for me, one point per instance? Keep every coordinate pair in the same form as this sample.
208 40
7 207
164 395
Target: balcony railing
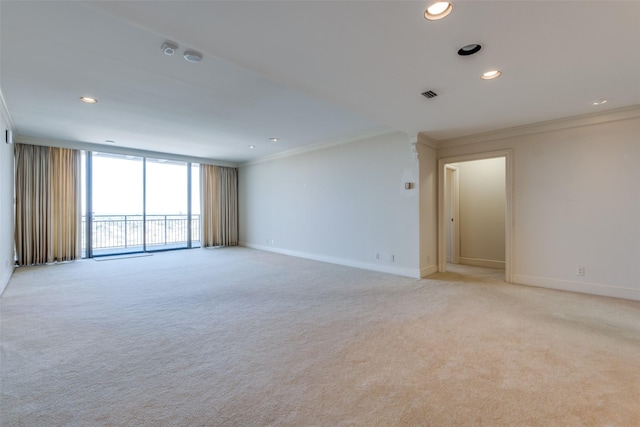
128 231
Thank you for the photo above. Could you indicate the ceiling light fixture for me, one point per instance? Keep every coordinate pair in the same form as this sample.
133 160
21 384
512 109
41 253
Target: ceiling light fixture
597 102
438 10
490 75
110 141
469 49
273 139
252 146
169 48
192 56
88 100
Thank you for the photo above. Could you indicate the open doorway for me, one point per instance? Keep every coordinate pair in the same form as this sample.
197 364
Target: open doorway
475 211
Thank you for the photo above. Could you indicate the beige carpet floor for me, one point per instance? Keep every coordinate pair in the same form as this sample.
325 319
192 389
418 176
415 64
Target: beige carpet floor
238 337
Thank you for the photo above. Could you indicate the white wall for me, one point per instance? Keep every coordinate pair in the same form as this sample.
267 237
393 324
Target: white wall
6 204
428 209
342 204
482 212
6 198
576 201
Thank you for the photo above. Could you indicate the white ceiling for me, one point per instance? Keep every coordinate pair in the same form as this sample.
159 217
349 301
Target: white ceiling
307 72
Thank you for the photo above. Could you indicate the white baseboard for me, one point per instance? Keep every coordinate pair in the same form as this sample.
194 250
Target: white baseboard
424 272
582 287
399 271
4 281
482 262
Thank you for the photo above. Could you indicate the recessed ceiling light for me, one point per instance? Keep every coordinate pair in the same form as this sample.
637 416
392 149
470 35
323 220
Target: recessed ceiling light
469 49
598 102
490 75
438 10
169 48
252 146
88 100
273 139
192 56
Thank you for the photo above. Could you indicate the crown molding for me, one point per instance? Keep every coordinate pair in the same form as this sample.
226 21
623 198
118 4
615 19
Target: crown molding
413 143
118 150
428 141
618 114
321 145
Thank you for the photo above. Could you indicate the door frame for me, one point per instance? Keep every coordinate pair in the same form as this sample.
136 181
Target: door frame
508 223
451 201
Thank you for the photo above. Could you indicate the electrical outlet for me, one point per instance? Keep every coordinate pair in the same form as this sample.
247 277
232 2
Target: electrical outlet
580 271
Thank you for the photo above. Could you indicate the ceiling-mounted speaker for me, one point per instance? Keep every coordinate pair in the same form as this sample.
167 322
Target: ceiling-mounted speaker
192 56
8 136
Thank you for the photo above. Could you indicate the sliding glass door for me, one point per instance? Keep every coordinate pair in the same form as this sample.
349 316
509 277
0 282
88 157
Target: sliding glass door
166 201
136 204
195 205
117 211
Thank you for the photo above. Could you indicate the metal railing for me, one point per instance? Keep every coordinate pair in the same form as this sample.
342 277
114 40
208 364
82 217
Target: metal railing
125 231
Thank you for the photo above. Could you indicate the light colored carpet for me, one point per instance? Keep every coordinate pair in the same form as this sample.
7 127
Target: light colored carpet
238 337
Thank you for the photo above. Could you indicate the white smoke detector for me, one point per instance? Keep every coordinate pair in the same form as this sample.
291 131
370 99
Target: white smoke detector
169 48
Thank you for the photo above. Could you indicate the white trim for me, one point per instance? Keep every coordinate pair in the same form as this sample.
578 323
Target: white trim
428 141
413 142
118 150
509 200
582 287
454 203
321 145
424 272
398 271
482 262
618 114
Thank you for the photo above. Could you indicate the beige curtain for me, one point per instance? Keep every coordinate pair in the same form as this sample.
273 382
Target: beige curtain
219 204
47 204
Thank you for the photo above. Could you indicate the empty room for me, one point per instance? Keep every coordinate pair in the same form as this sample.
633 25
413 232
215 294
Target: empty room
292 213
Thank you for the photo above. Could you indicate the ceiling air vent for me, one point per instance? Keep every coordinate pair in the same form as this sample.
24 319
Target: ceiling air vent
429 94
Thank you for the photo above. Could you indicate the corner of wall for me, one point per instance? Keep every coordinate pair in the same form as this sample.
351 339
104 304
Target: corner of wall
424 272
6 199
427 158
4 280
